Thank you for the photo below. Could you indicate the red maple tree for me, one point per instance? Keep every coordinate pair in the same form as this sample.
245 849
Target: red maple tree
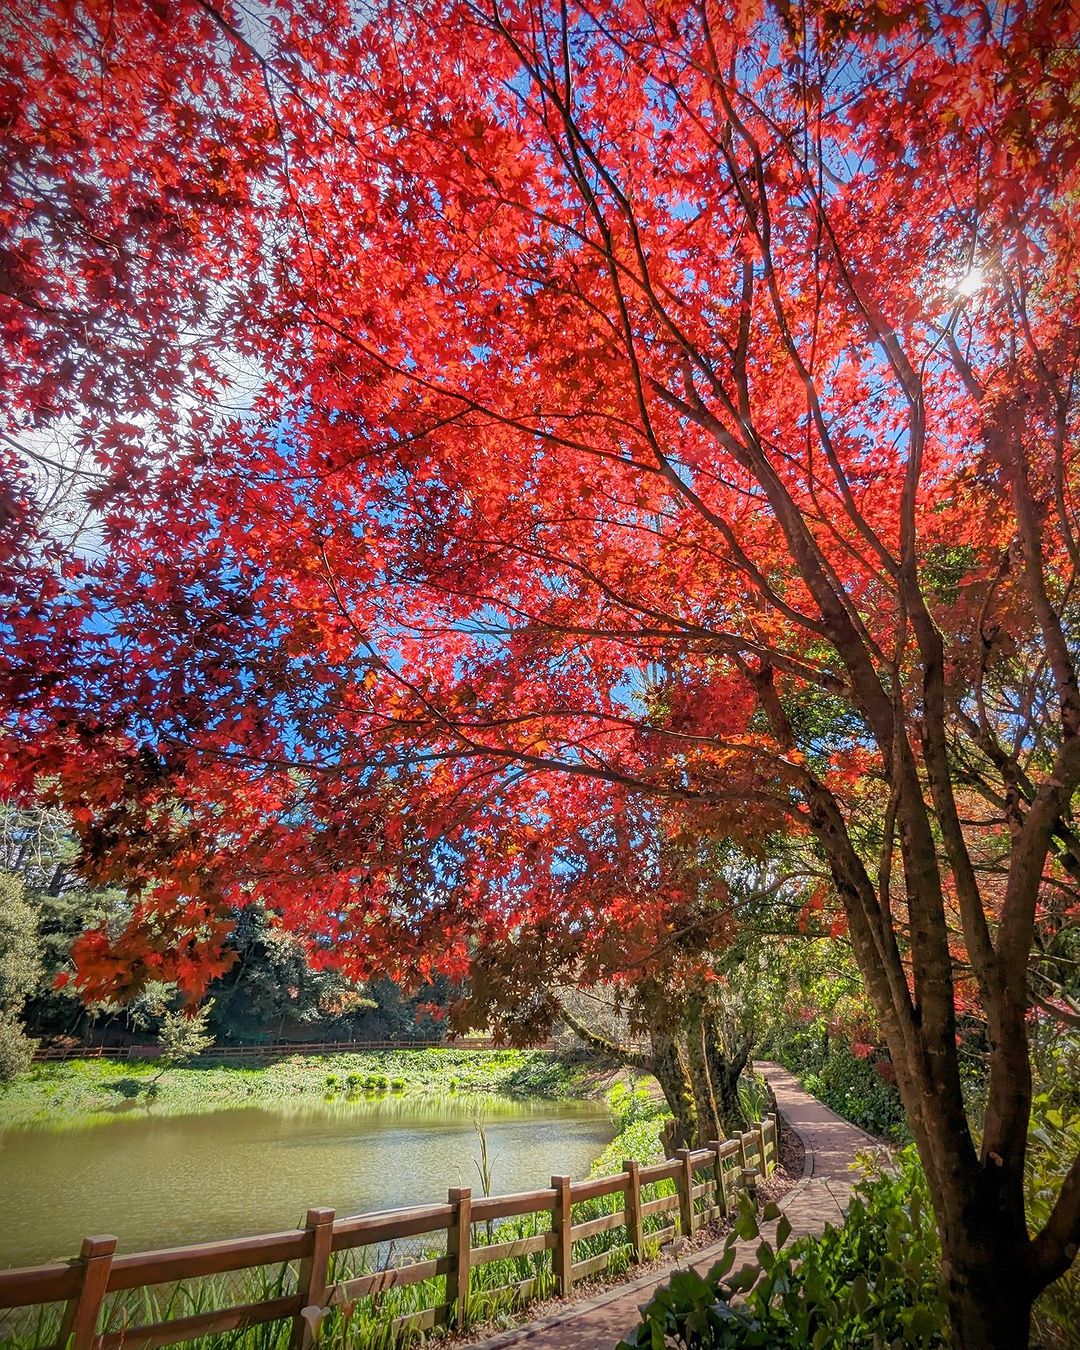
596 341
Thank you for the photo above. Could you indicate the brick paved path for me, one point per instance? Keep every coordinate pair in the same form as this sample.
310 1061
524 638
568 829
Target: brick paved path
820 1198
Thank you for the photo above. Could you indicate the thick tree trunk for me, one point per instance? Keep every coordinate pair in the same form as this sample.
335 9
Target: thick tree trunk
668 1063
979 1209
978 1204
671 1072
725 1070
728 1107
989 1303
705 1103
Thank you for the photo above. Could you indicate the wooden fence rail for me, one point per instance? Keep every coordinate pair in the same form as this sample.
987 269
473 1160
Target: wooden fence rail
271 1050
706 1181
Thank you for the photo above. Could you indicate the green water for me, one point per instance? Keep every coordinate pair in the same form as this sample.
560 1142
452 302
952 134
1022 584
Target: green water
164 1180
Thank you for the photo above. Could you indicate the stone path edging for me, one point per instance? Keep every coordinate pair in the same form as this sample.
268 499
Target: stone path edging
830 1145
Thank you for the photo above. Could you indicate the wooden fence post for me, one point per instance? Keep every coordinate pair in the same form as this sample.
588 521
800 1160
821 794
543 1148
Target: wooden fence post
762 1155
459 1250
685 1185
79 1325
721 1182
562 1255
314 1274
635 1223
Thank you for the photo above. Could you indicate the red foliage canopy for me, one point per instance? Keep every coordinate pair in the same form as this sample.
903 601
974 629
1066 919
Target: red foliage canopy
557 329
654 398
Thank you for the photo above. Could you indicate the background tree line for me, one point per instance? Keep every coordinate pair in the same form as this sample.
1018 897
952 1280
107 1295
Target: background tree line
272 990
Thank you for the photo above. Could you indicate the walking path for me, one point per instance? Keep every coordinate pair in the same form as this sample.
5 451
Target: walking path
820 1198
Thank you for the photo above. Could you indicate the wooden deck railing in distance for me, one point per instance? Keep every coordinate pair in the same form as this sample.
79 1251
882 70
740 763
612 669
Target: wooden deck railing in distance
705 1184
272 1050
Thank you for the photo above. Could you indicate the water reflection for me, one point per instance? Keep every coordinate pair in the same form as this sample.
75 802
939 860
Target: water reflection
157 1179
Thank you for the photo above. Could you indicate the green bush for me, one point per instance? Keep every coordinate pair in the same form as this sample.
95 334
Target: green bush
16 1048
822 1028
1052 1144
855 1089
872 1283
754 1097
859 1089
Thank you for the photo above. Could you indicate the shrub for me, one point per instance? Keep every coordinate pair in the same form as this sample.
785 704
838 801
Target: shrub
639 1119
1053 1142
183 1037
870 1284
822 1029
397 1085
129 1088
859 1089
333 1082
16 1048
754 1096
856 1089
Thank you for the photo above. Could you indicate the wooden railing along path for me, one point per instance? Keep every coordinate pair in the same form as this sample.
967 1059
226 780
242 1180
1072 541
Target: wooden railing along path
275 1049
705 1184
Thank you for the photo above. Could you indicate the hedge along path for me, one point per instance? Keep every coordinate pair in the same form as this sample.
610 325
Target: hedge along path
821 1197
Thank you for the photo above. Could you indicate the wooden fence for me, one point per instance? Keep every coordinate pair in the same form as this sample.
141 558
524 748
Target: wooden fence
273 1050
705 1183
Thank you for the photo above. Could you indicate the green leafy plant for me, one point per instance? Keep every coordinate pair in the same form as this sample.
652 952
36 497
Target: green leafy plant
1054 1139
183 1036
16 1048
754 1097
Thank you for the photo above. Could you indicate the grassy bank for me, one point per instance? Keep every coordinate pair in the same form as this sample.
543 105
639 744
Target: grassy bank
96 1087
639 1114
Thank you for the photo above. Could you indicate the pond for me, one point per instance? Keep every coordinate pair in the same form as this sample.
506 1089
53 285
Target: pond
159 1180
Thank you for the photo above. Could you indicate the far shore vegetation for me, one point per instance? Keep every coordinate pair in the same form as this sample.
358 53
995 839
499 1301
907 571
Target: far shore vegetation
105 1088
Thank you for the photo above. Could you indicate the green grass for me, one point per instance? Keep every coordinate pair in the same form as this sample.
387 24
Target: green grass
639 1118
89 1090
367 1325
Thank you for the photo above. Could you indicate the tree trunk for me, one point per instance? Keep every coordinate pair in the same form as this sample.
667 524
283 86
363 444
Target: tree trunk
670 1070
705 1103
978 1203
989 1302
667 1062
725 1070
725 1080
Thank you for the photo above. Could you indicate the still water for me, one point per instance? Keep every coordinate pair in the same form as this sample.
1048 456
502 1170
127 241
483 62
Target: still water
164 1180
